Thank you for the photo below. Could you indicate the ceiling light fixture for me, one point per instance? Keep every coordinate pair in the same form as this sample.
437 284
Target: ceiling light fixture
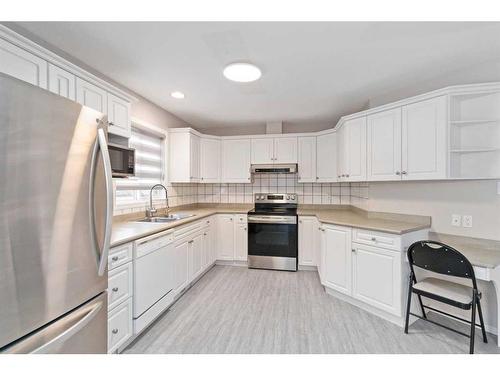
177 95
242 72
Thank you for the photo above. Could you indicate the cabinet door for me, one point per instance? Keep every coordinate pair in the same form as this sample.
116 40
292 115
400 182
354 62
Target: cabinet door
384 146
118 116
424 140
61 82
207 248
326 158
225 237
210 160
197 246
194 159
179 157
285 150
307 159
336 245
181 269
241 242
262 151
377 277
20 64
91 96
355 149
236 160
308 233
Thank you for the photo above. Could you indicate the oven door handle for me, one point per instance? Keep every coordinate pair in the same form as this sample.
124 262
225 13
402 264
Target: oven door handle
272 219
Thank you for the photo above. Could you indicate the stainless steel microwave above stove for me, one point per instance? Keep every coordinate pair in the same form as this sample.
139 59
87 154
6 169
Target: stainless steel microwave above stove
272 232
122 160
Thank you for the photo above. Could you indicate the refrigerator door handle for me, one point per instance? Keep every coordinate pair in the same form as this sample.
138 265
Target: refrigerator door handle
31 344
102 255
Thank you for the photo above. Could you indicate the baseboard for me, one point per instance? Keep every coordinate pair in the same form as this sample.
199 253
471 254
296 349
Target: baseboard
307 268
237 263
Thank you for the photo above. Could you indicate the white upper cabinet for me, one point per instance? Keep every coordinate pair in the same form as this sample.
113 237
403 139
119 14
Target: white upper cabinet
91 96
118 116
326 158
384 146
210 160
307 159
274 150
22 65
424 141
184 157
353 150
285 150
61 82
194 158
262 151
236 160
336 254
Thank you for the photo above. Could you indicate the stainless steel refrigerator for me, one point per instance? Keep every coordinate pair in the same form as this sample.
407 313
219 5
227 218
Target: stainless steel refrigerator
55 223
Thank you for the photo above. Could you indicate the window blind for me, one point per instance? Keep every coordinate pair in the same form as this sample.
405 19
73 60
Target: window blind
149 168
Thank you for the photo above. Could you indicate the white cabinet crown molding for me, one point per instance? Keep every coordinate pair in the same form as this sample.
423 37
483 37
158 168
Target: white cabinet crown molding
41 52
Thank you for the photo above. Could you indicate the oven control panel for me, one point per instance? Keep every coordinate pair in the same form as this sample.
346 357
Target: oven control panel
275 198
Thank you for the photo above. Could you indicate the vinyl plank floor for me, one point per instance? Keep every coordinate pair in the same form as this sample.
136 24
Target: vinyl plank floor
240 310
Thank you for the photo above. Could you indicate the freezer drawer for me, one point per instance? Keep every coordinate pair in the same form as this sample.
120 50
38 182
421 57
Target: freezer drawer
81 331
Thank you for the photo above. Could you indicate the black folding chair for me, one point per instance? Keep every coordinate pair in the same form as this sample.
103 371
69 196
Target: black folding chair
442 259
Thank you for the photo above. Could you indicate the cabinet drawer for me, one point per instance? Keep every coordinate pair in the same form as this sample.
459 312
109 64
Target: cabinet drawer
120 255
189 229
148 244
119 325
378 239
119 285
240 218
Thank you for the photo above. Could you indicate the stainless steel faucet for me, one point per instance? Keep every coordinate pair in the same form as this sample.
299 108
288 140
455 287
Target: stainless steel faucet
151 211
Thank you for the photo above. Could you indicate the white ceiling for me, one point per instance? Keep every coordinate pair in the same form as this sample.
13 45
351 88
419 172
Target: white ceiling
313 73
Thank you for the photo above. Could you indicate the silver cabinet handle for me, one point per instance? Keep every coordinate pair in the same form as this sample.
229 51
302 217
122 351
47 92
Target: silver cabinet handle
101 255
353 250
404 172
191 241
204 234
317 178
114 259
244 228
347 175
115 289
373 239
111 123
398 173
114 331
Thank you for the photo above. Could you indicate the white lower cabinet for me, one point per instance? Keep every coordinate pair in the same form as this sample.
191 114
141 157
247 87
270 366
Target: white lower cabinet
336 258
225 237
195 255
308 241
181 250
119 326
120 294
376 274
241 242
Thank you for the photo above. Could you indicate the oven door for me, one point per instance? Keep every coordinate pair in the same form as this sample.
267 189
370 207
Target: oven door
272 242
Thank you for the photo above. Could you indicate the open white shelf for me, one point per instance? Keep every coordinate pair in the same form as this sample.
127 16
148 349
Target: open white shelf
475 135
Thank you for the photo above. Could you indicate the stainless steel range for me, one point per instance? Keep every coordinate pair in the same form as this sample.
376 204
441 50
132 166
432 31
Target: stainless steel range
272 232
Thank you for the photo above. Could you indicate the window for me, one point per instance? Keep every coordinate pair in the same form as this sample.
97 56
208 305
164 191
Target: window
149 167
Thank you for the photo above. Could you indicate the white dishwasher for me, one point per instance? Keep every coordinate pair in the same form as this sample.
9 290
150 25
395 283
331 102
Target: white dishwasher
153 278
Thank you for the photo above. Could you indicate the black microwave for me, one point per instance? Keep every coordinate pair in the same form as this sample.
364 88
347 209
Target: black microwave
122 160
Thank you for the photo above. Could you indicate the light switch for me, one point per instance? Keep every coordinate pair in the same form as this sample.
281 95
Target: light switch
456 220
467 221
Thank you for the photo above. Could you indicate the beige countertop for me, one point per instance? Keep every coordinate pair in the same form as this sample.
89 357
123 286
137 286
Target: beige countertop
125 229
480 252
377 221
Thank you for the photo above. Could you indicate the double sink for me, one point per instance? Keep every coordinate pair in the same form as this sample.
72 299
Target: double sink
166 218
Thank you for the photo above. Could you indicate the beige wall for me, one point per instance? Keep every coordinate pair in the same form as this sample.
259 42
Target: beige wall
440 199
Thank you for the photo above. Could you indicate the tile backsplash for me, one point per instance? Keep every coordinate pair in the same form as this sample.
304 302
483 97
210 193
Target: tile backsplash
308 193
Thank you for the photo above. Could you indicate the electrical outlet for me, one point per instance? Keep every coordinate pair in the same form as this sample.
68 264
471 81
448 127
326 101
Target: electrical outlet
467 221
456 220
